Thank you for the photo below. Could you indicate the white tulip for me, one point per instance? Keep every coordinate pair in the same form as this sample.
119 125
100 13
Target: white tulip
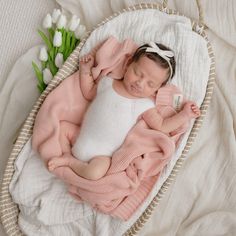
47 22
61 22
47 76
59 60
80 32
73 23
57 40
43 55
55 15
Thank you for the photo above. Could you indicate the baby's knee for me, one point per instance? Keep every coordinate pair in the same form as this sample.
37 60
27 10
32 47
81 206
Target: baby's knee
97 167
95 174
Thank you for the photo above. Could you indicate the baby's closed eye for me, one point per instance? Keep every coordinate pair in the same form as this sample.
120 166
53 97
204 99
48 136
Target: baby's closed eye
151 84
138 73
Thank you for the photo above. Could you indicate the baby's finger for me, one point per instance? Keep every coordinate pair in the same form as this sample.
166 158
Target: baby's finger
82 59
194 107
197 112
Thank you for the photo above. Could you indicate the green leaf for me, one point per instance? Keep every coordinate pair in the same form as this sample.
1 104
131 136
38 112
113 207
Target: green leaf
68 40
38 73
64 55
77 42
67 53
67 44
44 64
73 40
46 40
62 47
40 88
51 54
51 34
52 67
55 53
41 85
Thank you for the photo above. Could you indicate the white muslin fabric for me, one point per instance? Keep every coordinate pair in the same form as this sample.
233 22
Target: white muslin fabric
99 133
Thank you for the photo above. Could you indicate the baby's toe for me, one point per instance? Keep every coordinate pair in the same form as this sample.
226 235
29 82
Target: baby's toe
51 167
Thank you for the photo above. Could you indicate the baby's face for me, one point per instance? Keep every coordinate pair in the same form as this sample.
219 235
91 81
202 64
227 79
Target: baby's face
144 77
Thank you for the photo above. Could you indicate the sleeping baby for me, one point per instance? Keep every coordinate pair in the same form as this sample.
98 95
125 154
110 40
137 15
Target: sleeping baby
116 105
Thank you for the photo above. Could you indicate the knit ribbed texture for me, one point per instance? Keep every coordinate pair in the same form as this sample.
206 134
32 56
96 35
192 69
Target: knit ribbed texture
128 207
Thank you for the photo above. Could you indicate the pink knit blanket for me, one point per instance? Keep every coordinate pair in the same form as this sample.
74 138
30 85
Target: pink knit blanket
135 166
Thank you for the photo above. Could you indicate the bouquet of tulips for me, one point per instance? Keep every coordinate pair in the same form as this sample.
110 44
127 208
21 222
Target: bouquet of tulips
61 39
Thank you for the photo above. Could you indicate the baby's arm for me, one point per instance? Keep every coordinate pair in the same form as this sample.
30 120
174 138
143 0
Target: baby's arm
87 83
155 121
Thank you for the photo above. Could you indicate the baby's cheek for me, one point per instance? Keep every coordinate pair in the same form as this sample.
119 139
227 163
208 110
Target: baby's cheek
151 91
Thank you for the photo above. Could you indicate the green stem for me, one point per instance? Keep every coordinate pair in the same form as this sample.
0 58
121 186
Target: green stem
45 39
51 33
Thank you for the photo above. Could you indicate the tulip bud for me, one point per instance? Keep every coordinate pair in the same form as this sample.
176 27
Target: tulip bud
43 55
74 23
57 40
55 15
80 32
61 22
47 22
47 76
59 60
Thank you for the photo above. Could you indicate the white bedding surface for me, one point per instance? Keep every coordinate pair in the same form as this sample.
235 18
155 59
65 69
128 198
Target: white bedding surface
202 199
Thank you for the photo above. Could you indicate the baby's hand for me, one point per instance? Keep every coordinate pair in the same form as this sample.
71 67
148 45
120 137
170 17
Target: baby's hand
192 110
86 63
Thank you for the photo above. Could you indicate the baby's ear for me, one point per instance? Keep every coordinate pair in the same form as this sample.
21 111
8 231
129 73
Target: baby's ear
127 62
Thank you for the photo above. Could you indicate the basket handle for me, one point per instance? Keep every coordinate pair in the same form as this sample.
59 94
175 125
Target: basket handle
199 6
200 12
164 3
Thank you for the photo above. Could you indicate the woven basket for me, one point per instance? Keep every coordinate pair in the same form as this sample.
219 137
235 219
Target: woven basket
9 210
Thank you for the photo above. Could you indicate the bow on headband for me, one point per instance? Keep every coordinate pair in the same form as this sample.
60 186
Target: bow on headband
165 54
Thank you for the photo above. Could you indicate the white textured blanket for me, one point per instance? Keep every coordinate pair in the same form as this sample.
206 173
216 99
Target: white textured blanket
45 206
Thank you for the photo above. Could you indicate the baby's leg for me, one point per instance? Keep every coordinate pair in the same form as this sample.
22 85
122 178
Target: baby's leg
68 134
63 160
95 169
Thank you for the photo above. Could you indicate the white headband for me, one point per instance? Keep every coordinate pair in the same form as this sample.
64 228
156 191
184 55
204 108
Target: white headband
165 54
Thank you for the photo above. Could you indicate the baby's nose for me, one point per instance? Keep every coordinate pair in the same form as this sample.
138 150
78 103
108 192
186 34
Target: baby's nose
139 83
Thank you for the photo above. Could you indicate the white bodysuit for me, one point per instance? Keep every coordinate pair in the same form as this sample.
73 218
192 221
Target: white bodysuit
107 121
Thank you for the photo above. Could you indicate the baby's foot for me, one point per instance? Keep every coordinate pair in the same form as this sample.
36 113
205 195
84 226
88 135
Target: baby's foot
57 162
192 109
